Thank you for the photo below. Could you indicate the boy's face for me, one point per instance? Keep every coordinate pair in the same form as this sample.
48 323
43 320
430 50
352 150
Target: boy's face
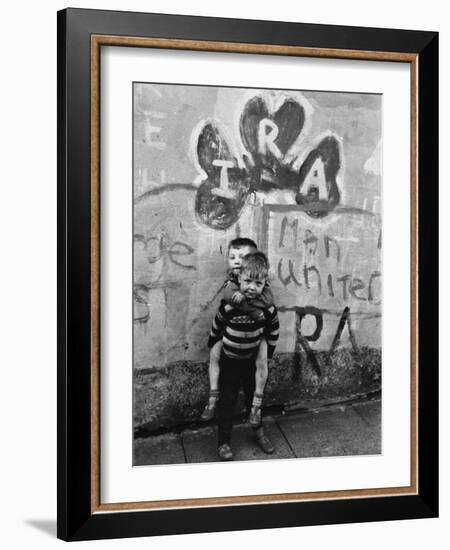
235 256
251 287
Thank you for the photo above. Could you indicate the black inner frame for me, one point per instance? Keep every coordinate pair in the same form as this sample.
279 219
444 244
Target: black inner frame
75 521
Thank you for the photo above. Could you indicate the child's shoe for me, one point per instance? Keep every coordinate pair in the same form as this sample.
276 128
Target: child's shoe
254 418
265 443
210 409
224 451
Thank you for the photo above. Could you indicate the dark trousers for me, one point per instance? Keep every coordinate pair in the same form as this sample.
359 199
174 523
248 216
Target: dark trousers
234 374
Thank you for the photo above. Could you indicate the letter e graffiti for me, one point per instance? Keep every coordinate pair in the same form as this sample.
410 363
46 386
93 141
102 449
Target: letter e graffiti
180 249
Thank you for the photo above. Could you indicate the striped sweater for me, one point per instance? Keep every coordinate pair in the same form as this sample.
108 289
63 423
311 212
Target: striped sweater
240 334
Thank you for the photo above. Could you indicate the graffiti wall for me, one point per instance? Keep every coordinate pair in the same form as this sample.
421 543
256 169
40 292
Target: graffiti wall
299 172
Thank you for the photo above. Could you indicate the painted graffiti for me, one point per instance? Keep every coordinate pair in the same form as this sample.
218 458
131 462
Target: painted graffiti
339 261
159 247
268 165
302 339
158 252
269 132
344 286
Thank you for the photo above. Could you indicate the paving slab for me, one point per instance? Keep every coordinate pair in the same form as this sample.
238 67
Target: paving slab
310 435
370 412
336 431
200 445
158 449
355 435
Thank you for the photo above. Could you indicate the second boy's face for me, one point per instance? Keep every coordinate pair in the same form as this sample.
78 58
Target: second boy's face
235 256
251 287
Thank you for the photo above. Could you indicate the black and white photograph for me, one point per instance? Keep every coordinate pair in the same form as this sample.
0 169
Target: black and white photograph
224 238
257 273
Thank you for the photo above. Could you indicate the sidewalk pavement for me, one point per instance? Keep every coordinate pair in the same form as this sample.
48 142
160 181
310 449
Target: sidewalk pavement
347 429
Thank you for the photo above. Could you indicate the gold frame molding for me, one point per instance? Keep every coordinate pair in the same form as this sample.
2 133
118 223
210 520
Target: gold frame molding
97 41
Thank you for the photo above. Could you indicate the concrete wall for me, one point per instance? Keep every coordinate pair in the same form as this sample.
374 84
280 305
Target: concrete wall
297 172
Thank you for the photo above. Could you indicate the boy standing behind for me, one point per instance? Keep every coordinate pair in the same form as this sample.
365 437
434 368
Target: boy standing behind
241 336
255 308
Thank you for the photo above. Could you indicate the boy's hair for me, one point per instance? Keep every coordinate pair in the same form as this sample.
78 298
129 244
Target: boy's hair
241 242
256 265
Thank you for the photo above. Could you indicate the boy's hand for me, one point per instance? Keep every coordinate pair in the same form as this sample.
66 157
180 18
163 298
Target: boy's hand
237 298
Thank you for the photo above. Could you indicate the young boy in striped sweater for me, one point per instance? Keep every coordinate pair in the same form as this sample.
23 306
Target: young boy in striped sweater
237 249
241 335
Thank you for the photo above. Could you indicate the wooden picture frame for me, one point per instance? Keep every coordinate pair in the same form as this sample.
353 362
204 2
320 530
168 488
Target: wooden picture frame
81 36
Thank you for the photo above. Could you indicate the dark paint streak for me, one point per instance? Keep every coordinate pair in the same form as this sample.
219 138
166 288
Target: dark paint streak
344 280
156 285
330 285
374 275
311 242
140 288
327 241
290 119
302 339
290 277
180 249
328 152
142 320
204 307
314 269
164 248
141 300
163 188
165 304
310 354
254 111
335 313
294 227
210 147
356 285
318 316
209 302
345 318
220 212
213 209
290 208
